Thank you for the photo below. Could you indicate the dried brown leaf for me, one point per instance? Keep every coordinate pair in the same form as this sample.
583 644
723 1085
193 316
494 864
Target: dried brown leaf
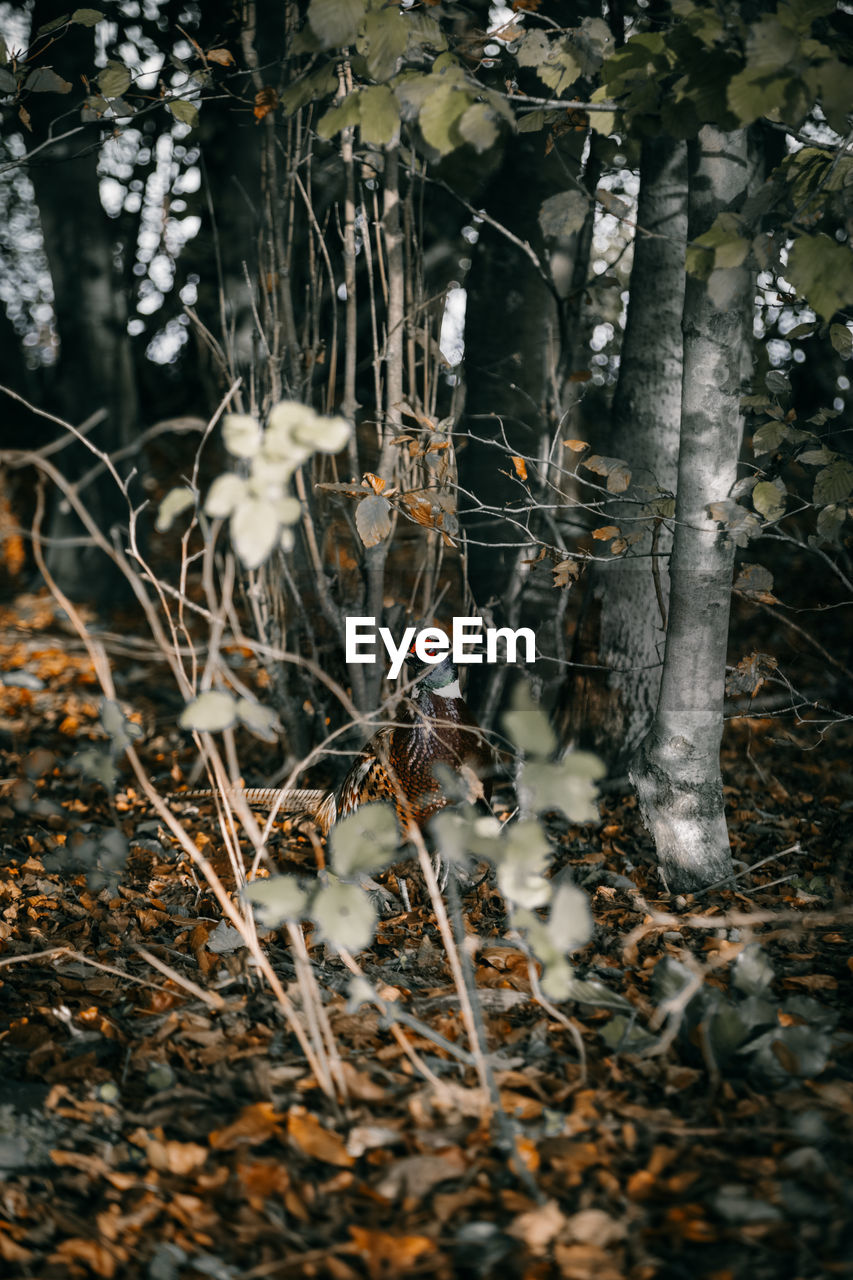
312 1139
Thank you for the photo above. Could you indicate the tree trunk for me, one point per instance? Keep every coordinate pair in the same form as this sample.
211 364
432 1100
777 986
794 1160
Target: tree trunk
610 709
677 769
94 370
523 333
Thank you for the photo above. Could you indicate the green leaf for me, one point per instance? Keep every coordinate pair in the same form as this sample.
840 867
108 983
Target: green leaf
834 87
365 841
563 214
379 116
556 62
570 922
776 382
310 431
821 270
768 501
382 41
209 712
834 483
97 765
556 980
335 22
478 127
45 80
373 519
94 108
320 84
225 493
593 42
87 17
424 33
277 900
241 434
533 49
344 115
186 112
841 339
800 14
768 437
439 117
121 731
255 530
289 509
800 331
830 521
521 858
591 991
623 1034
726 287
121 107
53 25
543 786
8 83
114 80
770 46
585 764
259 720
751 94
344 915
279 442
817 457
532 122
752 971
528 727
175 502
723 238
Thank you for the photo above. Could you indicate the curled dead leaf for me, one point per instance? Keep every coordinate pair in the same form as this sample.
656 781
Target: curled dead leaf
255 1123
312 1139
266 100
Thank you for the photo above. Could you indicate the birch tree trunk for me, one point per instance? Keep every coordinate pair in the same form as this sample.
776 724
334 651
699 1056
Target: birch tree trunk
677 769
622 631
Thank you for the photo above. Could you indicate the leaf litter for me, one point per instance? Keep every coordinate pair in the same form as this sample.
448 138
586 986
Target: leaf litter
145 1131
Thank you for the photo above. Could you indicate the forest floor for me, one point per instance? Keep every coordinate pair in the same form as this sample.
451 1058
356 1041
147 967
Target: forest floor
169 1127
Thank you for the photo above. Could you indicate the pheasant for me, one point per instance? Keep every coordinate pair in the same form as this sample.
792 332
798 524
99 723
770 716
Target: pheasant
398 763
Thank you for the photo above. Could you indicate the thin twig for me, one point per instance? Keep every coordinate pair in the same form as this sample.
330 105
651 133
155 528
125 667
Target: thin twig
211 998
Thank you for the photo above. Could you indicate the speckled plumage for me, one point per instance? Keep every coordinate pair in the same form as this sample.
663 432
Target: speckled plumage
398 763
434 727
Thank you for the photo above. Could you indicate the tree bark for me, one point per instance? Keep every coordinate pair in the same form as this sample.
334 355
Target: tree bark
610 709
677 769
94 369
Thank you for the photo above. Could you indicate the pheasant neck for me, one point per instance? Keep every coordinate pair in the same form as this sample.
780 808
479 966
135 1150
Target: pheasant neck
441 680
